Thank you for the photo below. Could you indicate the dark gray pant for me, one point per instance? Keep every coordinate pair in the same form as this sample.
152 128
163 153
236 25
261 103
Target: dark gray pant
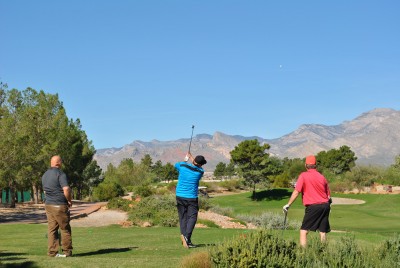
188 208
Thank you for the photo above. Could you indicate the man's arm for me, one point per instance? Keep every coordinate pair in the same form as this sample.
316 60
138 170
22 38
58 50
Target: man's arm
293 197
295 194
68 195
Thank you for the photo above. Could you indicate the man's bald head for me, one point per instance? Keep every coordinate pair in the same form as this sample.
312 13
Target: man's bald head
56 161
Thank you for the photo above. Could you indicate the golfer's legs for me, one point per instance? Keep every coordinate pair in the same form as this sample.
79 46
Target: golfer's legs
182 213
63 219
192 212
52 227
303 238
323 237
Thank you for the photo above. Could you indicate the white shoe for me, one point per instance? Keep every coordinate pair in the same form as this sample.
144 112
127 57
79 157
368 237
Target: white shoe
61 255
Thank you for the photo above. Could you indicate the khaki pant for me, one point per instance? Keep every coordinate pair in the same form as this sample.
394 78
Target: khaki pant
58 218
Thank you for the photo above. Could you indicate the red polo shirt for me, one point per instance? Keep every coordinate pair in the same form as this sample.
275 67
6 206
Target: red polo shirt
314 187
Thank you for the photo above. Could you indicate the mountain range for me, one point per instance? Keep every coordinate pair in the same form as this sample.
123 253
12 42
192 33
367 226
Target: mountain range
374 136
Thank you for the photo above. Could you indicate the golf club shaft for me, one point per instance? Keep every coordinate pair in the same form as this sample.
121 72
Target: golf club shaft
284 223
191 137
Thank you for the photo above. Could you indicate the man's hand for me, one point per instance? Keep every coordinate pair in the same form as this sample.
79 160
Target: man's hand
286 208
188 156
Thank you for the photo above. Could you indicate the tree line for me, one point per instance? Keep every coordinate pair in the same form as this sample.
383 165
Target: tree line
33 127
251 161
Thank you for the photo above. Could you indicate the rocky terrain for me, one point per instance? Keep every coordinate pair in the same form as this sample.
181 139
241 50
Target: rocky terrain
374 136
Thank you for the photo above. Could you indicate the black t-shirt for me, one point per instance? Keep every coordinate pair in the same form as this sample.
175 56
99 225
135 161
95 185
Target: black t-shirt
53 181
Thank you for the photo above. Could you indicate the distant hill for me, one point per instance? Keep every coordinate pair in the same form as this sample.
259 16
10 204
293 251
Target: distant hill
374 136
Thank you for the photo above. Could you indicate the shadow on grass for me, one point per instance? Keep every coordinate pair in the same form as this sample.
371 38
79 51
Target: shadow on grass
26 264
203 245
104 251
12 257
273 194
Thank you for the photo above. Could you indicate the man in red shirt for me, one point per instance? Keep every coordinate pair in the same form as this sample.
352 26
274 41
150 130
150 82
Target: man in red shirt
316 198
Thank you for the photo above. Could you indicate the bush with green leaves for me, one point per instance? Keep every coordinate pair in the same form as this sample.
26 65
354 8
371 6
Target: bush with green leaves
339 186
265 249
389 251
119 203
144 190
212 187
345 253
107 190
172 186
232 184
204 203
256 249
158 210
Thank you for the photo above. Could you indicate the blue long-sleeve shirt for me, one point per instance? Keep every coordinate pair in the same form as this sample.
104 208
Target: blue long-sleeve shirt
188 180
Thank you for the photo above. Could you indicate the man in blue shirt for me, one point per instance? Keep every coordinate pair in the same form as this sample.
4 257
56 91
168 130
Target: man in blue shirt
187 195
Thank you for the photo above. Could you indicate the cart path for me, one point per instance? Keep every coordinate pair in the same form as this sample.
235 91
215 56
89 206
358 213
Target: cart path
37 213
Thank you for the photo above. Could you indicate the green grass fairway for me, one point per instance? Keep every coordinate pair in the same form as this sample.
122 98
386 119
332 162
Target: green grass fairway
113 246
379 215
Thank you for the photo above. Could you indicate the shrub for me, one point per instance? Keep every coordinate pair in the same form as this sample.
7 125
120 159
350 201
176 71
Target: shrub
157 210
232 184
196 260
172 186
264 249
119 203
107 190
339 186
204 203
143 190
390 251
212 187
257 249
162 191
129 188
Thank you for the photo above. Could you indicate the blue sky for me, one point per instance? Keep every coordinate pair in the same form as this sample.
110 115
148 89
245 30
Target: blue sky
143 70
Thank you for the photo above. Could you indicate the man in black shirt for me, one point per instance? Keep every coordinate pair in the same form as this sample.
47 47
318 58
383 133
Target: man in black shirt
58 200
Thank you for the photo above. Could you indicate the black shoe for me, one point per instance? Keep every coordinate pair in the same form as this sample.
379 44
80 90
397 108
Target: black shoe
190 245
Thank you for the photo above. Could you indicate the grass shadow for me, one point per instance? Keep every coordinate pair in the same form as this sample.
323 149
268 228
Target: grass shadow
12 257
204 245
104 251
27 264
272 194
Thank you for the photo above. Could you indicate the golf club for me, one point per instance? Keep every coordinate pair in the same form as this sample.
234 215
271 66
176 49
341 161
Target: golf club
191 137
284 222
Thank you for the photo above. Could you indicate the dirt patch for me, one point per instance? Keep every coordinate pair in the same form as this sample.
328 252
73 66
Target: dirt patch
346 201
223 221
102 217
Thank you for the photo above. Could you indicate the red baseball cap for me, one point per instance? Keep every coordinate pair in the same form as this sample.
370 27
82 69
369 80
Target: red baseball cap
311 160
